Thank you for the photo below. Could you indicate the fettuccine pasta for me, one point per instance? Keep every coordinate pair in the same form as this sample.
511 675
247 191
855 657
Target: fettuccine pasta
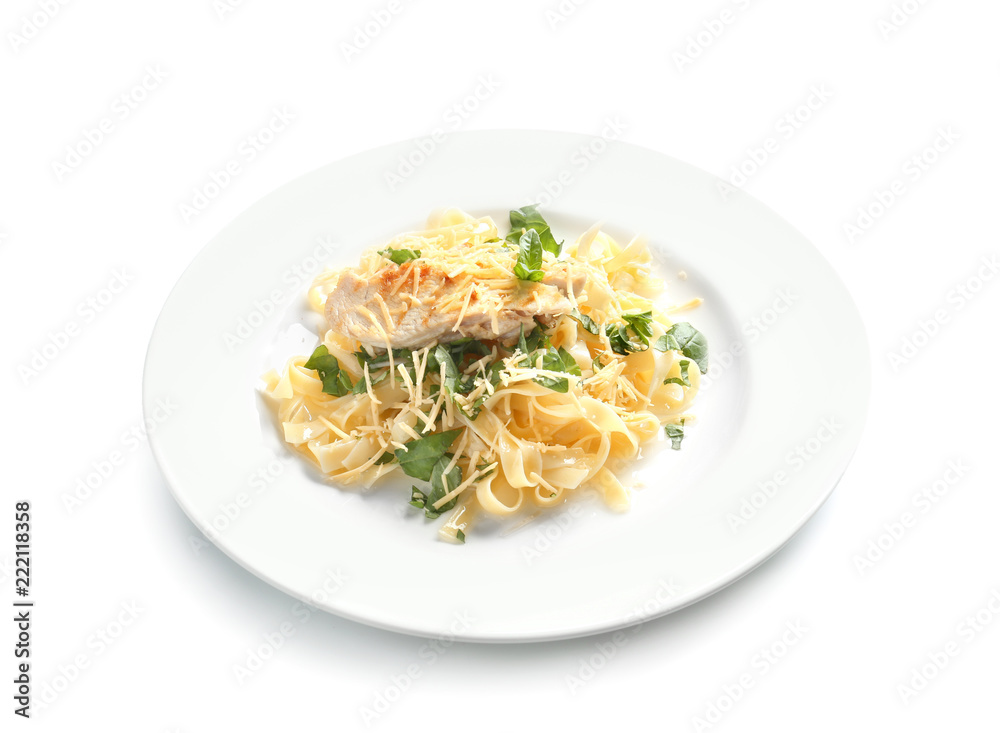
496 374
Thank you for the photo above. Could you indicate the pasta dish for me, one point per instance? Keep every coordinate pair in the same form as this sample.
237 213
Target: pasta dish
500 372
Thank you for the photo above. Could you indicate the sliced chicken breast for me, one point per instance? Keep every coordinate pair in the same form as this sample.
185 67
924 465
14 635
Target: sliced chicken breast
414 304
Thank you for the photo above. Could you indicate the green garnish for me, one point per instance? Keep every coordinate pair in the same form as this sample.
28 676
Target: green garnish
418 457
528 218
676 434
442 482
529 258
683 379
362 386
399 256
586 321
688 340
336 381
558 361
641 324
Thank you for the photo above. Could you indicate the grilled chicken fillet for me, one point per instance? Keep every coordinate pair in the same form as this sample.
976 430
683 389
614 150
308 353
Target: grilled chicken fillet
417 303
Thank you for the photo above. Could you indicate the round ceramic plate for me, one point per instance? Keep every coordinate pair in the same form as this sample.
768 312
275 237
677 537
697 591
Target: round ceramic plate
779 415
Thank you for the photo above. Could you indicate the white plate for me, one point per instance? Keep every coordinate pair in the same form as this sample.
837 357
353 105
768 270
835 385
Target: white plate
778 417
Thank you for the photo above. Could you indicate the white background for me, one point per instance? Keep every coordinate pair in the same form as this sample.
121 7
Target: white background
65 234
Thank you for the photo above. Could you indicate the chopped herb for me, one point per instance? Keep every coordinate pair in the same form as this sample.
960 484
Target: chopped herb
418 457
586 321
442 483
641 324
676 434
362 386
558 361
683 379
621 342
537 339
527 217
666 342
417 498
460 535
486 469
529 258
336 381
596 365
460 347
688 340
377 361
493 376
387 457
399 256
441 355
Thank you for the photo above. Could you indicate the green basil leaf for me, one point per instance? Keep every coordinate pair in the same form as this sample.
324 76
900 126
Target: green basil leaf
586 321
441 355
399 256
691 343
676 434
641 324
493 375
418 457
442 483
460 535
621 342
666 342
558 361
380 360
417 498
336 382
529 258
362 386
527 217
683 379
